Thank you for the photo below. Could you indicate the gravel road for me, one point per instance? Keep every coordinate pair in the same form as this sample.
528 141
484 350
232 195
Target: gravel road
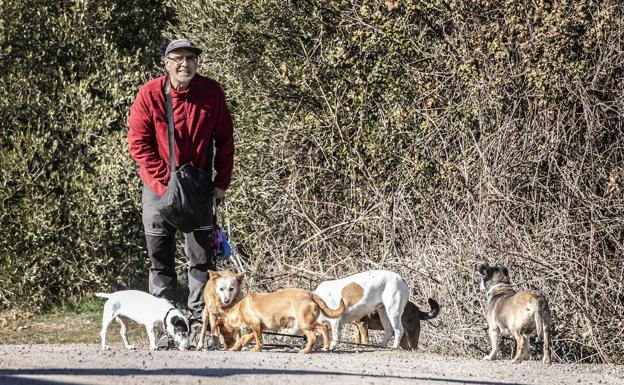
87 364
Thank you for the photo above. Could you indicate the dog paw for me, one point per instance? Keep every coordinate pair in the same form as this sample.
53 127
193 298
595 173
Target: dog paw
131 347
154 347
488 358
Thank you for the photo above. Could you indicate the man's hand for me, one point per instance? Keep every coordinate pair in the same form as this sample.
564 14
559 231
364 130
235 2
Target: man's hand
219 194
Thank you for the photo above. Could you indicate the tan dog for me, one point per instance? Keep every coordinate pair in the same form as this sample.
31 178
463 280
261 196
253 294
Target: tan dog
514 313
410 319
282 309
221 291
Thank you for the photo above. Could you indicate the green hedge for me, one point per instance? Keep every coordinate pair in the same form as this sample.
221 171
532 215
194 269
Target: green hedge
68 190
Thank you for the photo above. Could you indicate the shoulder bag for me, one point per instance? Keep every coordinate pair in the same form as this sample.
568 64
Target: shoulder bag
187 201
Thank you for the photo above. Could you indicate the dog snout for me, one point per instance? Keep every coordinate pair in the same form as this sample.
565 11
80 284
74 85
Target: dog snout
183 344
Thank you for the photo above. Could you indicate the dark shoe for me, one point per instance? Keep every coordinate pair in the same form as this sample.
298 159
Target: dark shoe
196 326
164 342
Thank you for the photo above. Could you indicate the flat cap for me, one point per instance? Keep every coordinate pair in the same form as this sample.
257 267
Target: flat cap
182 43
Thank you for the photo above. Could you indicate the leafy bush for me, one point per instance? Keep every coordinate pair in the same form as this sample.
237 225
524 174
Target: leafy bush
69 191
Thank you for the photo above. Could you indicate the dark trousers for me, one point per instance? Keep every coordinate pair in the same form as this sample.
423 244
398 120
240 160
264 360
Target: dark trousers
161 248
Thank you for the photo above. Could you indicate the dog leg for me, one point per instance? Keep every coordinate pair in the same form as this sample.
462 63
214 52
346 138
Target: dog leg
124 335
494 342
226 340
546 359
360 333
335 337
355 325
364 332
106 321
398 331
206 318
151 336
323 328
385 322
526 354
394 302
244 340
411 335
257 332
311 337
520 343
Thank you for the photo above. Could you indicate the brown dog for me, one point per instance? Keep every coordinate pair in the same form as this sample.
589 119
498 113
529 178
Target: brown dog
221 291
410 319
514 313
282 309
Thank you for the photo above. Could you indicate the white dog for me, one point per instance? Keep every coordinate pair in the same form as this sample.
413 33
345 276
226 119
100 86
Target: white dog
364 293
147 310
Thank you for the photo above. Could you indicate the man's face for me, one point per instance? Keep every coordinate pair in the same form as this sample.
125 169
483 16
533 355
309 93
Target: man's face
181 65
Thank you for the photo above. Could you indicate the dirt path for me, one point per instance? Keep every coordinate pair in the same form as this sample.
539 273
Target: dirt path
87 364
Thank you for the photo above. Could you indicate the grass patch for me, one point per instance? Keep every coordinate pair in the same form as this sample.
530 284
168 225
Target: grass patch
70 323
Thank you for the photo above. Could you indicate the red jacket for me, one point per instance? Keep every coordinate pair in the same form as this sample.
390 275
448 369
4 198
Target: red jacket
197 113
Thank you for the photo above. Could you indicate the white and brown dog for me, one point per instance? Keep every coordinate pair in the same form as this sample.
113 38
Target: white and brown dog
511 313
364 293
144 309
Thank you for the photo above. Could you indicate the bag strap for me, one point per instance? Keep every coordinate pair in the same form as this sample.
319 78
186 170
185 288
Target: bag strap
170 129
171 135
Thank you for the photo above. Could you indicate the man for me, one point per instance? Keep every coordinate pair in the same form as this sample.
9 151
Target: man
200 116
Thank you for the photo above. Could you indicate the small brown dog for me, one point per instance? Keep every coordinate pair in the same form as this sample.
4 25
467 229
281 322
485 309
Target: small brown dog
281 309
221 291
518 314
410 319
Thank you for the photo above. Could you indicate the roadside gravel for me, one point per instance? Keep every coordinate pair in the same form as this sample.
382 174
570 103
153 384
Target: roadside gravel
48 364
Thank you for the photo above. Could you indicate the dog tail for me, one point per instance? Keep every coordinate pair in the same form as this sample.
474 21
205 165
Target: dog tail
102 295
331 313
435 310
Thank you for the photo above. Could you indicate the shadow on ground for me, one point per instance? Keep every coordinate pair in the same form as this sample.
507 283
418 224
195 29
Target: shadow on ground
16 376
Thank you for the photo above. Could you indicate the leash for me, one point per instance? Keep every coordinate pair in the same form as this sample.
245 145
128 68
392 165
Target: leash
165 319
268 280
339 341
235 257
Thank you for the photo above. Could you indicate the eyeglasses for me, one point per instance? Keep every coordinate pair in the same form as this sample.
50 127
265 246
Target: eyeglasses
180 59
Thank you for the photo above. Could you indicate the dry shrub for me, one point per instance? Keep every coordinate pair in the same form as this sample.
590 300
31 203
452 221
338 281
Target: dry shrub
427 137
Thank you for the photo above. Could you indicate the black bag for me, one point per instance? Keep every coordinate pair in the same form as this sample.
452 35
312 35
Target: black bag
187 201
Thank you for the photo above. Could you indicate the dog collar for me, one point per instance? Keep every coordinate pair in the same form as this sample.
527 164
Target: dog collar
165 319
491 289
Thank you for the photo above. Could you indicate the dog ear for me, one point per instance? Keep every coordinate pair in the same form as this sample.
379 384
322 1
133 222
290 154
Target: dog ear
503 270
178 322
485 269
213 274
239 277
